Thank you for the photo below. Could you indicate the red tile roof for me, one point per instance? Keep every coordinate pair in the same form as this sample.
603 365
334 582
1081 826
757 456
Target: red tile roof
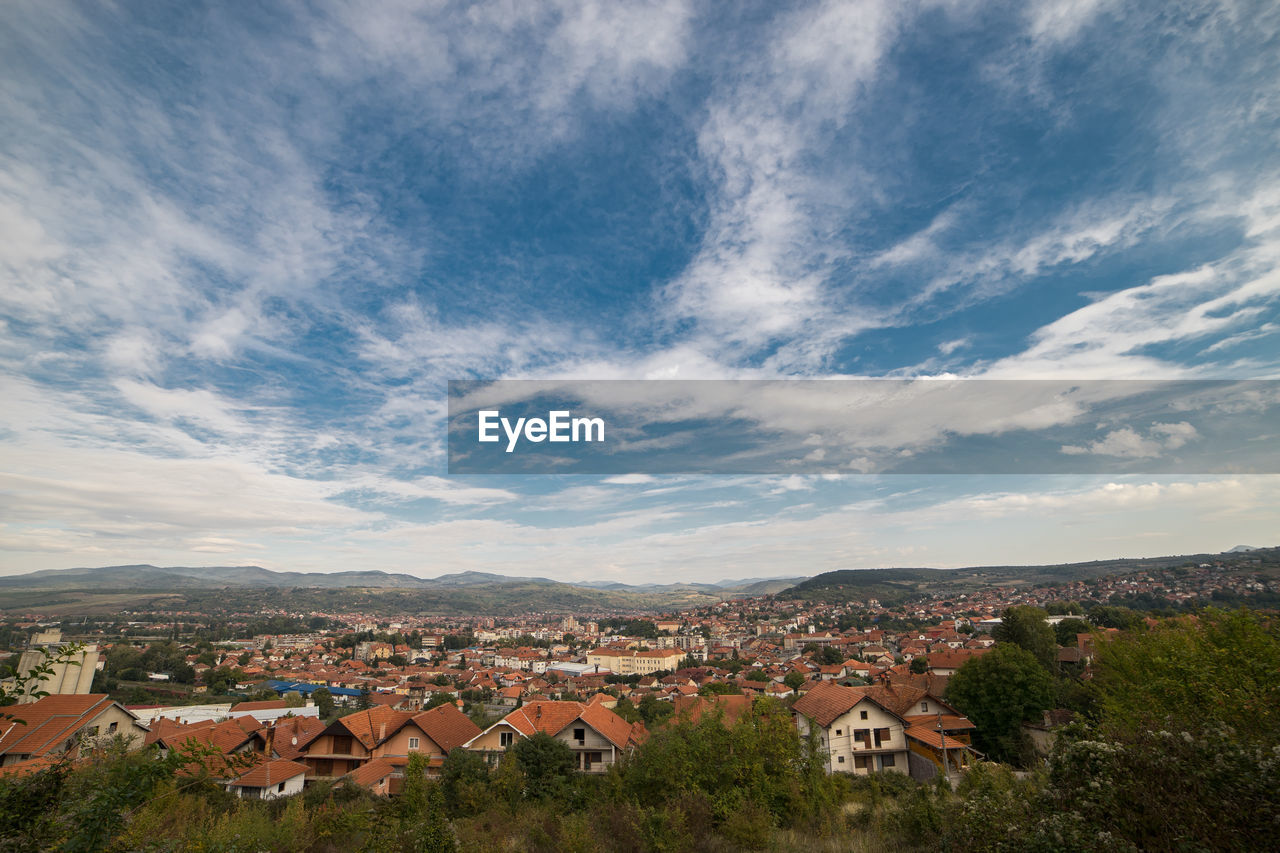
371 773
268 705
270 773
447 726
48 723
554 717
373 726
731 705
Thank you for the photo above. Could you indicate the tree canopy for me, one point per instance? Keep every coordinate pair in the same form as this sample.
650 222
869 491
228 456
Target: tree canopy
998 691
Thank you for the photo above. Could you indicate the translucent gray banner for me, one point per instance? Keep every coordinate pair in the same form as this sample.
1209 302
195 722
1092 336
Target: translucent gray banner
872 426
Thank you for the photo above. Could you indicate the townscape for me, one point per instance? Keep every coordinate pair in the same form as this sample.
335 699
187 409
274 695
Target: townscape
345 700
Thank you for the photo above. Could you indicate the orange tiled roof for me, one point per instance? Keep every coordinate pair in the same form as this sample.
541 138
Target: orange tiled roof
375 725
614 729
827 701
270 773
267 705
930 736
371 773
543 716
49 722
733 706
447 726
291 735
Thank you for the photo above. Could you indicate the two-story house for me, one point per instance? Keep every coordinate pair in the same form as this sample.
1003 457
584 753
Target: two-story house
381 732
64 724
884 727
597 736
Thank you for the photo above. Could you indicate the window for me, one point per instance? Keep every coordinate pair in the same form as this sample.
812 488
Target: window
505 739
413 743
93 732
342 744
840 759
886 761
860 762
864 715
881 736
924 707
111 729
580 735
838 733
280 788
863 735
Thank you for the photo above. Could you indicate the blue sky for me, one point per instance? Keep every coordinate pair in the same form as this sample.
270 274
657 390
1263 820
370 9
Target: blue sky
245 248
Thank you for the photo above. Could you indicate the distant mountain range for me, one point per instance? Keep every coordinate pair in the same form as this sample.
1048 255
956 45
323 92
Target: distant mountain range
111 589
177 578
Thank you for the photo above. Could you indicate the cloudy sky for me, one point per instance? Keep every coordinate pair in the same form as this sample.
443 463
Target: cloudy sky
243 247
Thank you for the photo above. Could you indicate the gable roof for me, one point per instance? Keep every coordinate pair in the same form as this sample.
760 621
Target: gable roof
372 772
371 727
226 736
447 726
290 735
265 705
732 705
49 722
543 716
826 702
553 717
612 727
269 773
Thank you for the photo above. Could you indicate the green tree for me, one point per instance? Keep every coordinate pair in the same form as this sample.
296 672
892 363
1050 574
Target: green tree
1219 672
1026 627
417 820
793 679
1065 631
998 691
919 664
548 765
749 776
653 711
464 780
323 700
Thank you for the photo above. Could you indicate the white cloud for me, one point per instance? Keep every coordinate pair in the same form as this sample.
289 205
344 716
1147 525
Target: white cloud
1128 443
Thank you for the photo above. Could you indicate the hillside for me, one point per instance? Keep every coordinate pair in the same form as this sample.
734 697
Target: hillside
241 588
856 584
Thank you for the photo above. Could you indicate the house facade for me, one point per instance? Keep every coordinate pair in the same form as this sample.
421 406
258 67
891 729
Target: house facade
597 736
884 728
65 725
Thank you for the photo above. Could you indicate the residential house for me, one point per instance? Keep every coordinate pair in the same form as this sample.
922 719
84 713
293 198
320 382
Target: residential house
597 736
62 725
381 732
268 780
884 727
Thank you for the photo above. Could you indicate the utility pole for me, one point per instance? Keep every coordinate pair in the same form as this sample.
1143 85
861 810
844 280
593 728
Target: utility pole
946 769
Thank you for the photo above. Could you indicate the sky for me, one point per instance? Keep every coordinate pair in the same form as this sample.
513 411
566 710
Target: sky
244 247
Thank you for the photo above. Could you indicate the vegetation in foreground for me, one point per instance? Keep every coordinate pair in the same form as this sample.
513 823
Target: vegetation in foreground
1180 752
